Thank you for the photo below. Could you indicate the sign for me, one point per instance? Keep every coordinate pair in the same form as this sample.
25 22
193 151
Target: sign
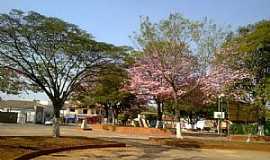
220 115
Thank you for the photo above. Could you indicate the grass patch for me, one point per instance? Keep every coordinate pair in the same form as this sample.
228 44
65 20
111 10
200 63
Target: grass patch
12 147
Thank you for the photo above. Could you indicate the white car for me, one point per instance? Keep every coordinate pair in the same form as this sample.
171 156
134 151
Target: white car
204 124
49 122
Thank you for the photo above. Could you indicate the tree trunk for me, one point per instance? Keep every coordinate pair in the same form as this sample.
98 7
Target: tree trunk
159 114
116 116
178 124
106 108
56 123
56 120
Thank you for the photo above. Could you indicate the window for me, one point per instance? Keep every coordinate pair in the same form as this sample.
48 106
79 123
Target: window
84 111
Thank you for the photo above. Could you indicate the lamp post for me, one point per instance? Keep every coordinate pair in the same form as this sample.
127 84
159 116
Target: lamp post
220 110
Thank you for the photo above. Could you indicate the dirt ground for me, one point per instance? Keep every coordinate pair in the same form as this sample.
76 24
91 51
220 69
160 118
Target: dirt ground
12 147
146 152
139 147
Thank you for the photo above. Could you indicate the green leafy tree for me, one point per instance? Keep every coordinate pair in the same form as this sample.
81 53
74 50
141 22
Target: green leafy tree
107 91
251 50
49 55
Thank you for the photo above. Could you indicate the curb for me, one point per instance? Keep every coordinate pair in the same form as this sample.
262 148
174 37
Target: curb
34 154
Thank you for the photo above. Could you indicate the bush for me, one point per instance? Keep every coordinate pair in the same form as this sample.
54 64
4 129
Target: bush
152 118
267 128
237 128
123 117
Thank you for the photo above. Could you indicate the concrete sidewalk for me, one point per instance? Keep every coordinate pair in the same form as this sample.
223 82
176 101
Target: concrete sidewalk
10 129
144 150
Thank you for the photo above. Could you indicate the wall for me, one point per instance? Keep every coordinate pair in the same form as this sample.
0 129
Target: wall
134 130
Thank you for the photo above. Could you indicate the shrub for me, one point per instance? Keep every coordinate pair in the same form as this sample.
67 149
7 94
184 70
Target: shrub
237 128
267 128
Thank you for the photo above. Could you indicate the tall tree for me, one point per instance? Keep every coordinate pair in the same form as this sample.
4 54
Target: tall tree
106 90
219 78
148 84
251 51
50 55
166 46
208 39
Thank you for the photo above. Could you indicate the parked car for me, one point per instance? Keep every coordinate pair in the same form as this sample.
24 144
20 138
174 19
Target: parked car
205 125
49 122
185 124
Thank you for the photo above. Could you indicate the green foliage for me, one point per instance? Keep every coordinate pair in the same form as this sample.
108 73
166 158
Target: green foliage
249 49
267 128
252 48
40 43
107 87
9 82
151 109
150 115
123 117
178 47
236 128
47 54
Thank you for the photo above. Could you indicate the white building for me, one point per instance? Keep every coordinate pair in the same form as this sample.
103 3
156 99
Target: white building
27 111
76 113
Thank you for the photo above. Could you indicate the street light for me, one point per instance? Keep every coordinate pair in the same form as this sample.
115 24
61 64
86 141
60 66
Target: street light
220 111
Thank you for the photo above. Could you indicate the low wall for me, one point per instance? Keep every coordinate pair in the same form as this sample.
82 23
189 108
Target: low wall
134 130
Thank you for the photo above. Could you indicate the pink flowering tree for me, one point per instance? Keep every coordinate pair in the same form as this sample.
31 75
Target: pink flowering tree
148 85
167 66
177 53
220 77
222 74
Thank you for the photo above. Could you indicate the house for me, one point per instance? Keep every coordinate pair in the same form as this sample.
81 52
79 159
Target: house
26 111
74 112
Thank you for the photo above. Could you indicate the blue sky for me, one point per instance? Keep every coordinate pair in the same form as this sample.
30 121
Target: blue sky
113 21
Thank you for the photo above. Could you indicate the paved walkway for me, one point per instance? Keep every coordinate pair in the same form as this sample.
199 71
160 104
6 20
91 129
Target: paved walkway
142 150
138 146
42 130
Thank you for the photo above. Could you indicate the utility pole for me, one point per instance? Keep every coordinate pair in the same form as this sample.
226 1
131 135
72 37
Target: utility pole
219 118
220 110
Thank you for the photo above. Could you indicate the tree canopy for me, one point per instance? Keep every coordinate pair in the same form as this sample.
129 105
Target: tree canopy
49 54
